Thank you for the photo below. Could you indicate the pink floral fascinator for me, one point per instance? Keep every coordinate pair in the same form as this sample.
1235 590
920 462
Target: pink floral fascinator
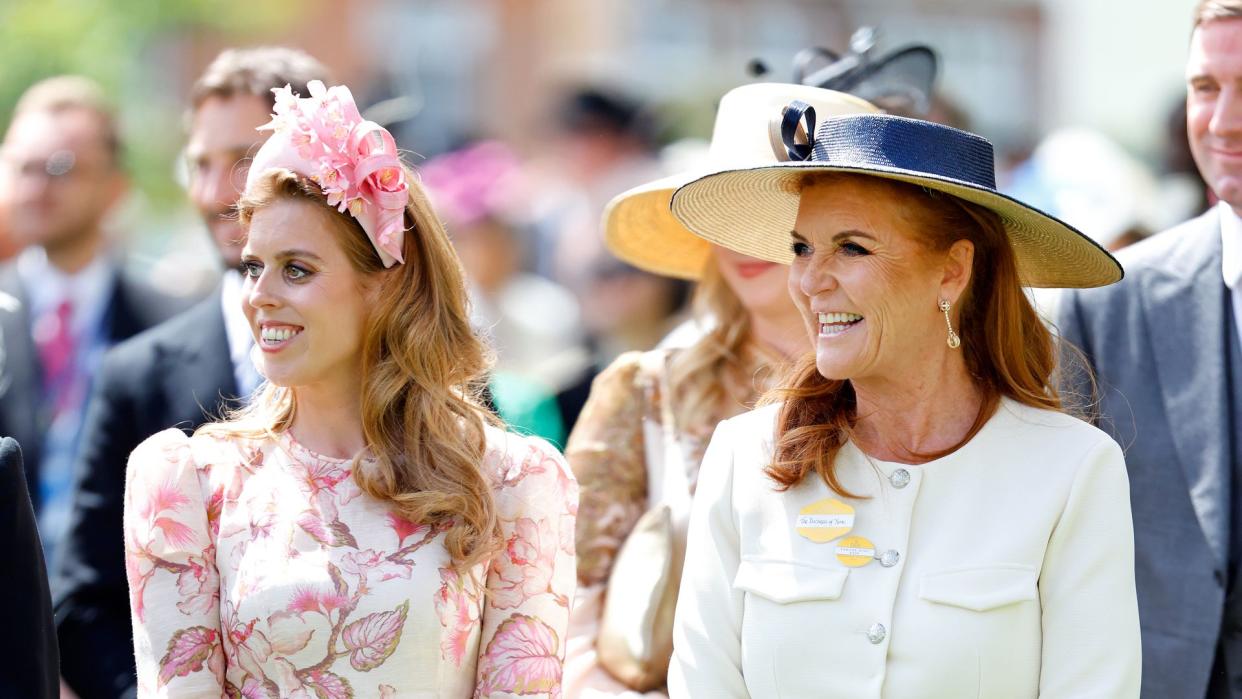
325 138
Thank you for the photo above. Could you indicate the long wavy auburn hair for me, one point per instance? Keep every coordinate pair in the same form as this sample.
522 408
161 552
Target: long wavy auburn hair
1008 350
713 374
422 373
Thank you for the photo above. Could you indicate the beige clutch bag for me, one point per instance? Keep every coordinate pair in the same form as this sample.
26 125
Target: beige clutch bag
635 642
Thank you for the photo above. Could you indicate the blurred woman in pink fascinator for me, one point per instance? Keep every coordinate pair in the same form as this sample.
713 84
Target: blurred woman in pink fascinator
363 527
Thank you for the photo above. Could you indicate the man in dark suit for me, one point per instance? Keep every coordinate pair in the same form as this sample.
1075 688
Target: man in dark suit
181 373
68 299
28 654
1166 347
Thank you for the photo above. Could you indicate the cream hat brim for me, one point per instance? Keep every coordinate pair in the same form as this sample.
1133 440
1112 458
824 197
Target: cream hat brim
640 229
753 211
639 226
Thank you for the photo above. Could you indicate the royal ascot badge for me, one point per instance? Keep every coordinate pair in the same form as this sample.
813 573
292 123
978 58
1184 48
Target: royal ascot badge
855 551
825 520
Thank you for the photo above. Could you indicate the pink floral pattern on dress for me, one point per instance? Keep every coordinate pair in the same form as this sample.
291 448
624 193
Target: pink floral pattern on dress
526 564
259 569
459 605
524 657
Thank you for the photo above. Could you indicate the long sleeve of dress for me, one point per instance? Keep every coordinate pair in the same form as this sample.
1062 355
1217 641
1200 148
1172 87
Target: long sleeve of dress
607 454
707 632
1091 645
530 584
171 566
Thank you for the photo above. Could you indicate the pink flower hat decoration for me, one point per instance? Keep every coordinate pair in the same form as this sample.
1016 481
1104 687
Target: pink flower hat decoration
354 161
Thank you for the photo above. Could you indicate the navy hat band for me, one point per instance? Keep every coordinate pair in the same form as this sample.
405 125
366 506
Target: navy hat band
895 143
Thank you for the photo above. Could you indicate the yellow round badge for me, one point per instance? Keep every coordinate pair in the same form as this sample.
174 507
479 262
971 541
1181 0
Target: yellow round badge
825 520
855 551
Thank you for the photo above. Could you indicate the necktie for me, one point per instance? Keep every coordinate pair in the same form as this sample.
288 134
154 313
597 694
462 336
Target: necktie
53 335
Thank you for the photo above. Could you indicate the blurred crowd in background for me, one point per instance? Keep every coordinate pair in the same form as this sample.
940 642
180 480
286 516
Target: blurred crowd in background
524 118
523 130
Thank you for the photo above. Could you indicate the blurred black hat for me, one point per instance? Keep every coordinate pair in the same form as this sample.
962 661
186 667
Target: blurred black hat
899 82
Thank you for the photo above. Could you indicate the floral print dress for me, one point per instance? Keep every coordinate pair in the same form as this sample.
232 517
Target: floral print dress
259 569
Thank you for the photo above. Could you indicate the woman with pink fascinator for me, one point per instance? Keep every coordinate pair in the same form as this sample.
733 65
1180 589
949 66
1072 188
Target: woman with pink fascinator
363 527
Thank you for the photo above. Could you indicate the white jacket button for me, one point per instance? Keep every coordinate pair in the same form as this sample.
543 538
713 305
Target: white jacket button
900 478
877 633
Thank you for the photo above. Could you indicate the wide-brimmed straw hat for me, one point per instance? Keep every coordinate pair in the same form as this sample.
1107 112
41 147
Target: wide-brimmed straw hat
639 226
752 210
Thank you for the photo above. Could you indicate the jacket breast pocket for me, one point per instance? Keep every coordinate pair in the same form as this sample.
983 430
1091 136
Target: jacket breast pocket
789 610
786 582
986 623
981 588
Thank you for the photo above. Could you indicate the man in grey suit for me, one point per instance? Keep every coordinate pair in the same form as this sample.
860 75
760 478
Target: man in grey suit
1166 348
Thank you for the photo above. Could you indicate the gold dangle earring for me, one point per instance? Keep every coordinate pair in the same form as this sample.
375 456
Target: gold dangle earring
954 341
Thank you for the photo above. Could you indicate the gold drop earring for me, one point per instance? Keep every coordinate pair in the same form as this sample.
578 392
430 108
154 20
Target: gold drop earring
954 341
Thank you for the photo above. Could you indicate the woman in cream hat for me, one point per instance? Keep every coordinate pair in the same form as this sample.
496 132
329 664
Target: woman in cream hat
638 443
916 516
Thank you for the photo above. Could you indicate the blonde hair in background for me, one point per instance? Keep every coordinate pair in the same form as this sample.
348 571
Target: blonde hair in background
422 370
699 376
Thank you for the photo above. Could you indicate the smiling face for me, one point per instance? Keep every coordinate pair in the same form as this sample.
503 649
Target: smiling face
306 303
867 282
1214 106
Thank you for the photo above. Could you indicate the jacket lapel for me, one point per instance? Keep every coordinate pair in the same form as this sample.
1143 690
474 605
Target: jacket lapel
197 370
1185 312
19 366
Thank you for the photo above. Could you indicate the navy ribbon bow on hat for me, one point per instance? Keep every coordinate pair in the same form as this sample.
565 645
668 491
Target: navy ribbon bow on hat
796 129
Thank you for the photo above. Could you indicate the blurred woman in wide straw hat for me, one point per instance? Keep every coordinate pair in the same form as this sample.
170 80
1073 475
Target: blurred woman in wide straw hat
641 436
914 515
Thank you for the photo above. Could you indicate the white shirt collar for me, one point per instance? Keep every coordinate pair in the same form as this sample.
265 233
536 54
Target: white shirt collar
237 330
89 290
1231 246
236 327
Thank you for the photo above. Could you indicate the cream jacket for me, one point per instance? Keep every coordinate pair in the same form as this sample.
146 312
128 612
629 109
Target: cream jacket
1005 570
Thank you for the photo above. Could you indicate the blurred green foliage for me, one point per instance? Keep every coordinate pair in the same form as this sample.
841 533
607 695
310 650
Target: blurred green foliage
139 51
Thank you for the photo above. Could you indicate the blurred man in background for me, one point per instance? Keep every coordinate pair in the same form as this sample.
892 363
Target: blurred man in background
1166 347
181 373
62 169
